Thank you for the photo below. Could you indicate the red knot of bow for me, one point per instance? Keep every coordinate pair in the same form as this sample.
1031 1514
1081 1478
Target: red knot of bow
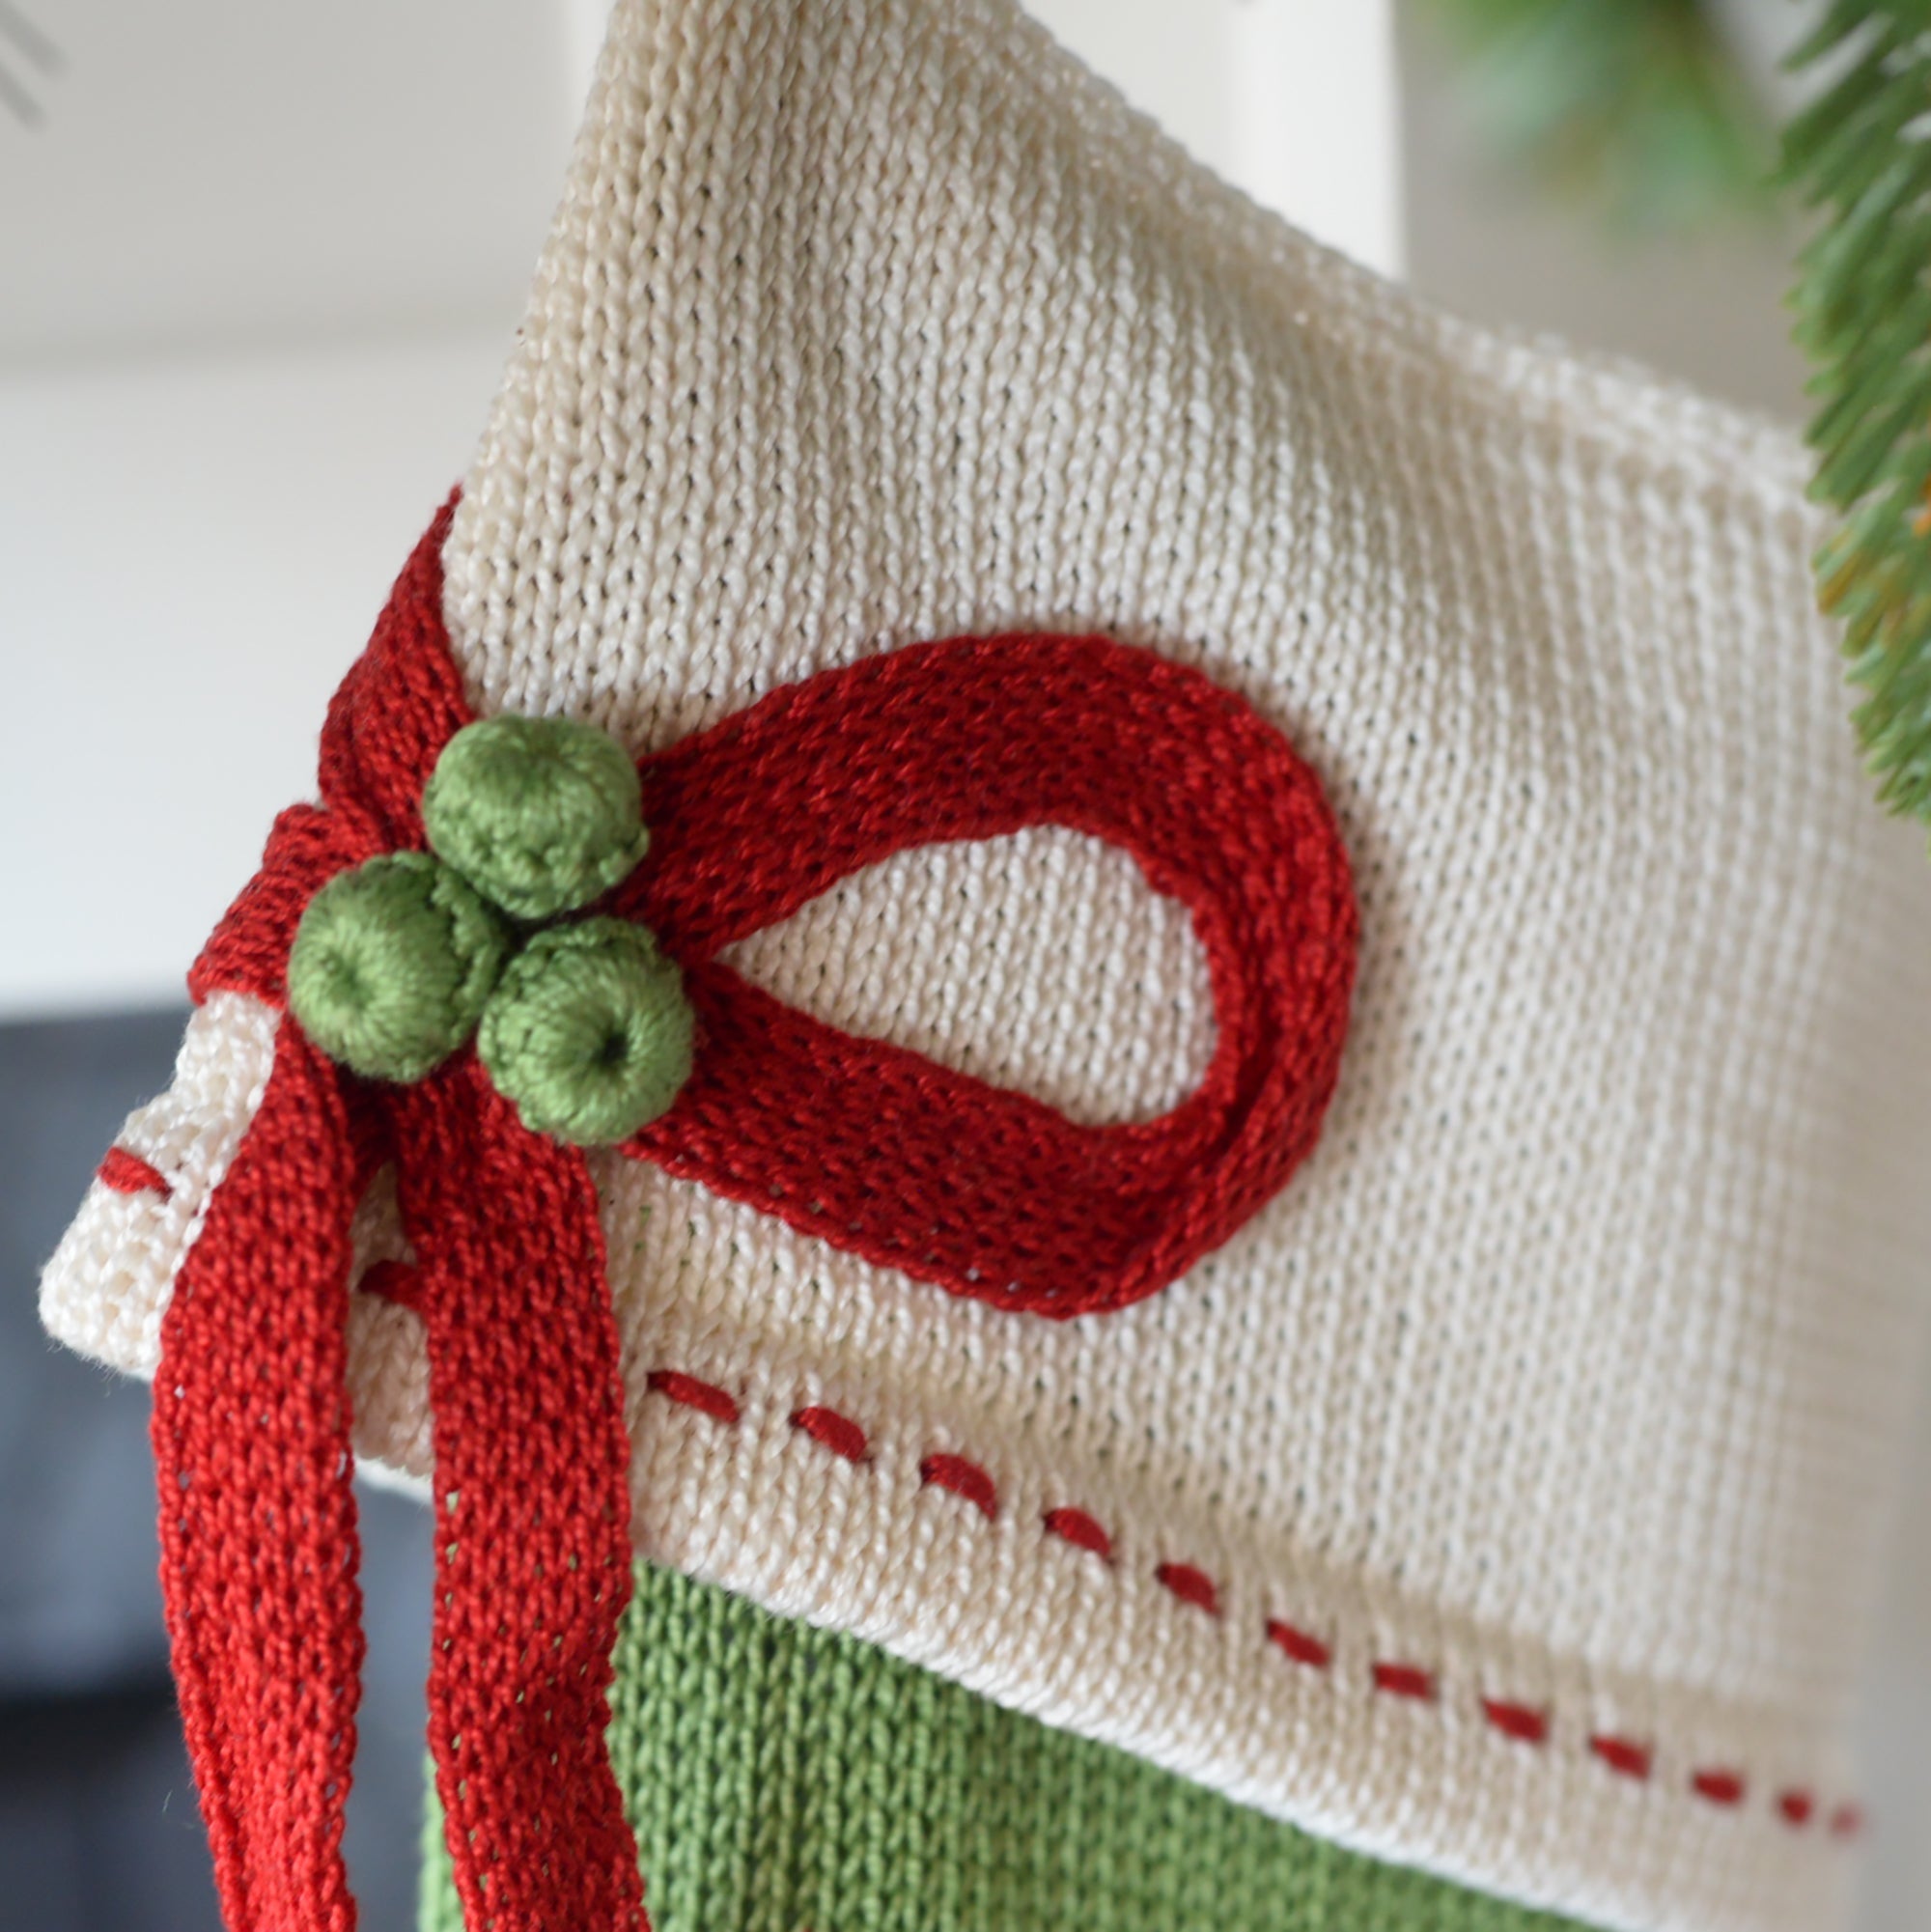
876 1149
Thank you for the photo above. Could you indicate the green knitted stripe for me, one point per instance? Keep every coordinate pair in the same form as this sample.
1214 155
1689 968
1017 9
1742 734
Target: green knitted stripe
784 1780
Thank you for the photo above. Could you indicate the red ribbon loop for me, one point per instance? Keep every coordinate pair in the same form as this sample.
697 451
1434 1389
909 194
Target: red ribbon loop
909 1163
879 1151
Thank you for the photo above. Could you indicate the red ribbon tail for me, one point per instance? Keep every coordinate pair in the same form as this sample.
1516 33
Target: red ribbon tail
258 1550
532 1510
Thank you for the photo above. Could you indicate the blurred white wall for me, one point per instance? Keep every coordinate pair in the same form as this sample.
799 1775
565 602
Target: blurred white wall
260 268
214 173
1293 101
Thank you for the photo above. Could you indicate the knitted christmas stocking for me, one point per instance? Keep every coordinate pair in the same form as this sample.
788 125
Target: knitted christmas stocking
1147 1004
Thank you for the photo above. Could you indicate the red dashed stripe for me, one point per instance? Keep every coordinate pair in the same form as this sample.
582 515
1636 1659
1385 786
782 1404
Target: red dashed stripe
961 1478
126 1173
837 1432
1190 1586
1299 1645
1404 1680
1521 1722
1075 1527
704 1396
1625 1757
1719 1788
1524 1724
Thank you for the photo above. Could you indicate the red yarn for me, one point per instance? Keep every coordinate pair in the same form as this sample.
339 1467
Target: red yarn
1623 1755
1718 1786
126 1173
1299 1646
962 1478
251 1417
706 1397
874 1149
1081 1531
889 1155
1190 1586
833 1431
532 1507
1403 1680
259 1548
1521 1721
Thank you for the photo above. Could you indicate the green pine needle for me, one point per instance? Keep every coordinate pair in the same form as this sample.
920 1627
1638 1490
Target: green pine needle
1860 155
1631 105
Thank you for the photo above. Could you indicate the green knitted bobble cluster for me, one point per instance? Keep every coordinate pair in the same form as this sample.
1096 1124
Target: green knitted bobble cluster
585 1027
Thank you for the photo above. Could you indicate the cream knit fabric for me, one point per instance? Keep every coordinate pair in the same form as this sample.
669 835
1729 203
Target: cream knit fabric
1570 1372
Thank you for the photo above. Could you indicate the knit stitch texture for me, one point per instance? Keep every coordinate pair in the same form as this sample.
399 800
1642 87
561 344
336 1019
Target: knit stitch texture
881 1152
589 1033
392 965
1506 1498
780 1777
539 814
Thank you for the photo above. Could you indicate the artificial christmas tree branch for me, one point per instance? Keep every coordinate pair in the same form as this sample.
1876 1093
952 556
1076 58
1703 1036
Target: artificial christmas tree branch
1634 106
1860 155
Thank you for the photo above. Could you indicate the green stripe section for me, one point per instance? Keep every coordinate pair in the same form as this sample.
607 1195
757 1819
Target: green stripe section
782 1779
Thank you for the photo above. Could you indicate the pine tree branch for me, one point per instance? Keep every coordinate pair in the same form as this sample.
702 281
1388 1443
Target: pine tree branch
1861 156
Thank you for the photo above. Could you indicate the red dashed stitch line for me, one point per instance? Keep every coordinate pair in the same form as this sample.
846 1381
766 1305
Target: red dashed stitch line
1190 1586
1625 1758
1299 1645
704 1396
837 1432
1521 1722
1719 1788
961 1478
126 1173
1526 1724
1075 1527
1404 1680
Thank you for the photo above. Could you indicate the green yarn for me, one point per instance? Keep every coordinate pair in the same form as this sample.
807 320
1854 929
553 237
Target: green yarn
589 1033
392 964
540 814
781 1777
587 1028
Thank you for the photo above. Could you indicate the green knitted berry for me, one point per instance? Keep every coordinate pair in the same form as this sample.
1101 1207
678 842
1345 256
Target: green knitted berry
392 964
540 814
589 1033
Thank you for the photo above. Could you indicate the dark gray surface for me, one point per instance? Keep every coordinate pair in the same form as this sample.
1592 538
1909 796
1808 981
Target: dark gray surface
98 1825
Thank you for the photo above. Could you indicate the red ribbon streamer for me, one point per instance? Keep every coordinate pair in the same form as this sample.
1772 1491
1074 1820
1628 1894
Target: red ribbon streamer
871 1147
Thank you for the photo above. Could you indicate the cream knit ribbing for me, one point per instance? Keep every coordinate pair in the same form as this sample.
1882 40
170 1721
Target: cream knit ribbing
1571 1369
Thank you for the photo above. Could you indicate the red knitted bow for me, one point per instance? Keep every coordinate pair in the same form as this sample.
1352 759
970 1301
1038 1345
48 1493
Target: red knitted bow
871 1147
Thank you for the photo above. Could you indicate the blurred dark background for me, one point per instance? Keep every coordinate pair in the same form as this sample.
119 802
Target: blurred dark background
97 1822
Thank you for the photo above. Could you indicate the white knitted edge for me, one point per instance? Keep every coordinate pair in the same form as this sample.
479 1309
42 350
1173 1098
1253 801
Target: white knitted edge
1621 403
108 1285
1003 1606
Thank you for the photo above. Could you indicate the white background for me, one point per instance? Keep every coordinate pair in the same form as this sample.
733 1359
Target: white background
260 266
